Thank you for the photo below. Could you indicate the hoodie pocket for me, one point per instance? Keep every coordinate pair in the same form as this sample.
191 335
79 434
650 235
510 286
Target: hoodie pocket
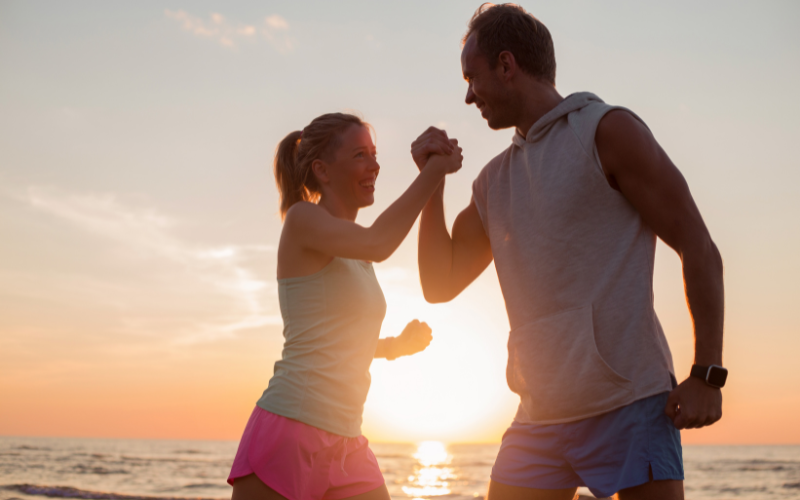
555 367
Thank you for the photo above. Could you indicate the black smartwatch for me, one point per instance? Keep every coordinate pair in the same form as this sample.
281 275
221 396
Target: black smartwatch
713 375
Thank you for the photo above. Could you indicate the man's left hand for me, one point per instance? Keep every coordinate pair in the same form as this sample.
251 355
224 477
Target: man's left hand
694 404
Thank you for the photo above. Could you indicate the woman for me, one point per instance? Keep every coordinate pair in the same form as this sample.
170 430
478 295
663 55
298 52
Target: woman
303 440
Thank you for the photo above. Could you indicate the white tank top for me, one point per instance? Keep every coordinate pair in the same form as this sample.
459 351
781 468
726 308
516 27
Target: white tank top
331 323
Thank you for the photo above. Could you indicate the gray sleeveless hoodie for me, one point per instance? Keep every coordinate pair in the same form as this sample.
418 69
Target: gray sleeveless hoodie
575 263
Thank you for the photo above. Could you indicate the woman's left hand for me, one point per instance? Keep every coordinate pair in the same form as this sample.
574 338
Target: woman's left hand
416 337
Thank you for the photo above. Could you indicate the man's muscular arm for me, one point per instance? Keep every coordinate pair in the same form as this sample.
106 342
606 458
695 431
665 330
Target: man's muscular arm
639 168
447 265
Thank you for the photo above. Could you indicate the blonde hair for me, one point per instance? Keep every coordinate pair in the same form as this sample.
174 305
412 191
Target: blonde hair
297 151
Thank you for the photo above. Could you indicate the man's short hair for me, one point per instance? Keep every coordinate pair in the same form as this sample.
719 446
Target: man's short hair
508 27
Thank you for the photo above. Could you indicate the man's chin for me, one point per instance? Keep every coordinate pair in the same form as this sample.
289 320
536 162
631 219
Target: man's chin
493 121
497 125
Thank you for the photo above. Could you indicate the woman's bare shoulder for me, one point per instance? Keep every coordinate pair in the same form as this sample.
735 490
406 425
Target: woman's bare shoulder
296 253
301 212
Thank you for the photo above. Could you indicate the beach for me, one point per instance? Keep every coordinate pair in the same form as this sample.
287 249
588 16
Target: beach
119 469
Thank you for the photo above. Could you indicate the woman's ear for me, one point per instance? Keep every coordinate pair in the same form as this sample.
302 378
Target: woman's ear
320 171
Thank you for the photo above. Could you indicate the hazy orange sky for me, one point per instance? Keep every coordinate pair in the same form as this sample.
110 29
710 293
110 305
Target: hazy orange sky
138 215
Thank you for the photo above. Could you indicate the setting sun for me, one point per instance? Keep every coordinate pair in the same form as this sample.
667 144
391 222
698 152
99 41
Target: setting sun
454 391
431 453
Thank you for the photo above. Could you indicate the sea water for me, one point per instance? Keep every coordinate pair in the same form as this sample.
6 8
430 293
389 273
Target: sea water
162 469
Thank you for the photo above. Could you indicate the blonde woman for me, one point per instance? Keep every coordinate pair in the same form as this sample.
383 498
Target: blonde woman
303 439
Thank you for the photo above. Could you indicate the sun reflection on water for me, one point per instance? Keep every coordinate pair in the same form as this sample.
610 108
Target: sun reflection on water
431 474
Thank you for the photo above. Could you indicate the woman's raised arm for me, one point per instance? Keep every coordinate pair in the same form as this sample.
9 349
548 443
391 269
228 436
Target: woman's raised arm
314 228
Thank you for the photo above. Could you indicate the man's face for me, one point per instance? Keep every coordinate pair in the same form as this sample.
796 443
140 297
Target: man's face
486 89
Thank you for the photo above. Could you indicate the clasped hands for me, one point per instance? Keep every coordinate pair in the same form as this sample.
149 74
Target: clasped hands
433 141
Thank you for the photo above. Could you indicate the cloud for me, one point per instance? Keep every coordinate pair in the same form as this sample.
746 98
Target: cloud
198 275
197 26
275 29
277 22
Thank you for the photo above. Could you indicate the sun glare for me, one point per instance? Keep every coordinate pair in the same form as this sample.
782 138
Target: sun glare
431 475
431 453
455 391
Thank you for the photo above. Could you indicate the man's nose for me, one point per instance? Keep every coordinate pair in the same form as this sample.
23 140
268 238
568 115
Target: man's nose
470 95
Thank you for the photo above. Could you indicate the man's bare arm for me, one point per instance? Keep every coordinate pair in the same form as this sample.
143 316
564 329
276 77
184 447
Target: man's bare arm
639 168
447 265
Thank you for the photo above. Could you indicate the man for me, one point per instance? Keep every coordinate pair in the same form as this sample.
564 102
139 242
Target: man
570 213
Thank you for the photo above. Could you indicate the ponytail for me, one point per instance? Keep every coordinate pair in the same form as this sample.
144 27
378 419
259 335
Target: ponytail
298 150
290 181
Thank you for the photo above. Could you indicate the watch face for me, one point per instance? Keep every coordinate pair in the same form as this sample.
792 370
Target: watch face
717 376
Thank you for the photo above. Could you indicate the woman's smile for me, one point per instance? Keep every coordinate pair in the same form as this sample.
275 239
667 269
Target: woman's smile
368 184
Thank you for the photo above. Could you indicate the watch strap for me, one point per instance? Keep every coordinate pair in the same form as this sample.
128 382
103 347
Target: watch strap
699 371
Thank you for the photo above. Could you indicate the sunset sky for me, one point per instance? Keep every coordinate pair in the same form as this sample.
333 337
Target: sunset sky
138 213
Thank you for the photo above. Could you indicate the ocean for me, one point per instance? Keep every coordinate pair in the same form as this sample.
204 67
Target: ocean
119 469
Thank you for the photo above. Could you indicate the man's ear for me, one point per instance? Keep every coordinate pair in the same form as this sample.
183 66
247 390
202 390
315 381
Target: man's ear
319 169
506 65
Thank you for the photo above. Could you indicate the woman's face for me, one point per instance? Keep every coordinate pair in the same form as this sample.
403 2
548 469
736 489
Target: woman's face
352 173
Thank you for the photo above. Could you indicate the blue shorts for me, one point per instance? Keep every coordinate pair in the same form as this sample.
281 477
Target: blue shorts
606 453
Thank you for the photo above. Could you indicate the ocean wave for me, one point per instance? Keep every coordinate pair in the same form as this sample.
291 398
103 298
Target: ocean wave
738 490
98 456
762 468
758 461
454 496
210 460
86 469
757 465
223 485
69 492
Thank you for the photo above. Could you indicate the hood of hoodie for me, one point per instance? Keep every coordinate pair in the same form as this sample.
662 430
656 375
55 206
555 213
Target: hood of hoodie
572 102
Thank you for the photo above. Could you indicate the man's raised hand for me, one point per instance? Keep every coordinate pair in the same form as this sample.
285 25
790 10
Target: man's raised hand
433 141
453 161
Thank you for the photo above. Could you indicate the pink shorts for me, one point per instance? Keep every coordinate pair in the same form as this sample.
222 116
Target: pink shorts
302 462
